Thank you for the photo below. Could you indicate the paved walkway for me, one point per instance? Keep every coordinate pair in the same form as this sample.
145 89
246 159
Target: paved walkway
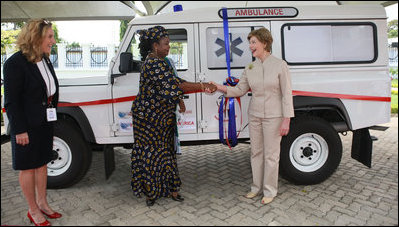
214 182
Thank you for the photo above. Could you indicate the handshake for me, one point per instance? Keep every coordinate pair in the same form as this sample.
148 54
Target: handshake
211 87
208 88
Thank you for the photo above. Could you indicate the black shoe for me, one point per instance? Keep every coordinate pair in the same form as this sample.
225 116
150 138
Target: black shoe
150 202
178 198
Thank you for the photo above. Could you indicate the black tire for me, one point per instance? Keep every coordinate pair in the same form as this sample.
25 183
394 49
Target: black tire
73 156
311 152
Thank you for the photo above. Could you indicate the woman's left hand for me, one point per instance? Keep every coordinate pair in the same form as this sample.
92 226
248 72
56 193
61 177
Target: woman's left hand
182 106
285 126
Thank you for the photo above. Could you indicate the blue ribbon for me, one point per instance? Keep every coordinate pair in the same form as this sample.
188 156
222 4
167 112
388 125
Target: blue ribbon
230 81
226 39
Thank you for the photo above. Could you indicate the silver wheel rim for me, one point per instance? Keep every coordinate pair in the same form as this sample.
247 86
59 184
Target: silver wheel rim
309 152
60 165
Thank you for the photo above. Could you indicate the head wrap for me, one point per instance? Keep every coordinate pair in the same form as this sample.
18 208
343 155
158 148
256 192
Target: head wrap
153 33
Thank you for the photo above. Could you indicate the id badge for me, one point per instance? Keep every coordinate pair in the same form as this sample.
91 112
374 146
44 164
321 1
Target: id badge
51 114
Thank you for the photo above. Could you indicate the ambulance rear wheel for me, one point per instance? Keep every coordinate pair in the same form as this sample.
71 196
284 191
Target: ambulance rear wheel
311 152
71 156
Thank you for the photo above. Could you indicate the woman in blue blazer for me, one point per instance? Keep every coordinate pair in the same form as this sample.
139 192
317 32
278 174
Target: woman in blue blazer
31 96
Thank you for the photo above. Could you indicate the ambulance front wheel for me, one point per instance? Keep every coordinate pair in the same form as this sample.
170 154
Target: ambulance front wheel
71 156
311 152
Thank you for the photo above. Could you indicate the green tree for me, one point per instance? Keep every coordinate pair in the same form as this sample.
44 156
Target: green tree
393 29
122 29
73 45
56 36
8 37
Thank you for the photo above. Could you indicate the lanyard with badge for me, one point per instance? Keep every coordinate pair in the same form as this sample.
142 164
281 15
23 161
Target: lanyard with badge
51 111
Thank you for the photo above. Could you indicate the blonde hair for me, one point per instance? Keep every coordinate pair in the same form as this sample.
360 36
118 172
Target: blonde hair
31 37
264 36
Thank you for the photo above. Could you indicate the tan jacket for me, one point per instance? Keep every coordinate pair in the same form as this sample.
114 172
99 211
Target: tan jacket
270 83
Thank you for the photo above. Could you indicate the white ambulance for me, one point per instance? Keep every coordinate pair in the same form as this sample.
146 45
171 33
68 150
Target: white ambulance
338 61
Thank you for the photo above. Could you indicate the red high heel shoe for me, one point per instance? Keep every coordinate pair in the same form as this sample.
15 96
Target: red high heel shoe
53 216
45 223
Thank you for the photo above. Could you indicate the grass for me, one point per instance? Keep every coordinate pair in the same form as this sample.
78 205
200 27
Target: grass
394 104
394 97
395 83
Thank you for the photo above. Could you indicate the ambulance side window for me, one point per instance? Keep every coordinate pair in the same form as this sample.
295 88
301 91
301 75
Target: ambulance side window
240 56
178 48
177 51
329 43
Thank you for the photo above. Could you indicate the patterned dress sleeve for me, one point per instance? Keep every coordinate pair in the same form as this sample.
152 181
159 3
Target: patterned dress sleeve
171 64
166 83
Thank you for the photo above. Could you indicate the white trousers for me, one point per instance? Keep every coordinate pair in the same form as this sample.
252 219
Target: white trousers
265 154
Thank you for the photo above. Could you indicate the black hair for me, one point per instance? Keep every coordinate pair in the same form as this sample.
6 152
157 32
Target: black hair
145 47
148 38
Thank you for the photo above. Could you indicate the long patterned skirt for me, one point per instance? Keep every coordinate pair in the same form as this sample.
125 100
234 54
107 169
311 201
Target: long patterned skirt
154 163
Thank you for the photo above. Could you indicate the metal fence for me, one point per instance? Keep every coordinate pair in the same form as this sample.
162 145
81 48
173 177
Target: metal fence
177 59
54 56
393 56
74 57
98 57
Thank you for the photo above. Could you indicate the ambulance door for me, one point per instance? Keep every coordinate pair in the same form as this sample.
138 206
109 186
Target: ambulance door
126 87
213 67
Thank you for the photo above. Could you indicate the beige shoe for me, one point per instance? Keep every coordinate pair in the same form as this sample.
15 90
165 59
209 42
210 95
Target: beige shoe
250 195
266 200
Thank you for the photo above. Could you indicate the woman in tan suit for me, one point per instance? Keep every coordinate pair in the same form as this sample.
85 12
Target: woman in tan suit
269 113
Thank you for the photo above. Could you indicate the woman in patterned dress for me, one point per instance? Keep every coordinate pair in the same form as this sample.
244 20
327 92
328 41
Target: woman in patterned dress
154 164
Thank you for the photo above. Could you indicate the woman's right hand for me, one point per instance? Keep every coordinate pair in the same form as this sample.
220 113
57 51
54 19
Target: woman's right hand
209 88
22 138
219 87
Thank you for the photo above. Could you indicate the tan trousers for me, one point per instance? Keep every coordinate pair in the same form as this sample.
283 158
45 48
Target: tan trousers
265 154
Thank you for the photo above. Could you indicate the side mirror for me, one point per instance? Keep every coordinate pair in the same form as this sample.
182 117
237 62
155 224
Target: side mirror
126 62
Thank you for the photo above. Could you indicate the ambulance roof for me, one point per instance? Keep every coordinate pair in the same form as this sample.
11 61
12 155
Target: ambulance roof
304 13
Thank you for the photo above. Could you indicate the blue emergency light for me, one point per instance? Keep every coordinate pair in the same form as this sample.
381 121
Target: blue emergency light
177 8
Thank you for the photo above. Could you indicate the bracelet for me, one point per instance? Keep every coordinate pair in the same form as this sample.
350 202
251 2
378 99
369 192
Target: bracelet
202 86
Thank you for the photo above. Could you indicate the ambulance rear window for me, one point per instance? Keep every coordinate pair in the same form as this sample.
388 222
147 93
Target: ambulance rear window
329 43
240 55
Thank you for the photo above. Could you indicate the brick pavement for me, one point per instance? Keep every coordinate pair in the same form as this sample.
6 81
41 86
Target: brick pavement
214 182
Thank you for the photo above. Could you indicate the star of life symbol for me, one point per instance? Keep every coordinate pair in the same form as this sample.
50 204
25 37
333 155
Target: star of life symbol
233 47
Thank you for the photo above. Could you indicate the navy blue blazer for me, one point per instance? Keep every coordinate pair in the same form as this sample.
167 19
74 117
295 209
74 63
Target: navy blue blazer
25 93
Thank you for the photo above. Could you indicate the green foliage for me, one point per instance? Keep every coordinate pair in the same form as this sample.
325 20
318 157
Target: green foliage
176 48
394 103
56 37
123 28
8 37
395 83
73 45
393 71
394 97
393 29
